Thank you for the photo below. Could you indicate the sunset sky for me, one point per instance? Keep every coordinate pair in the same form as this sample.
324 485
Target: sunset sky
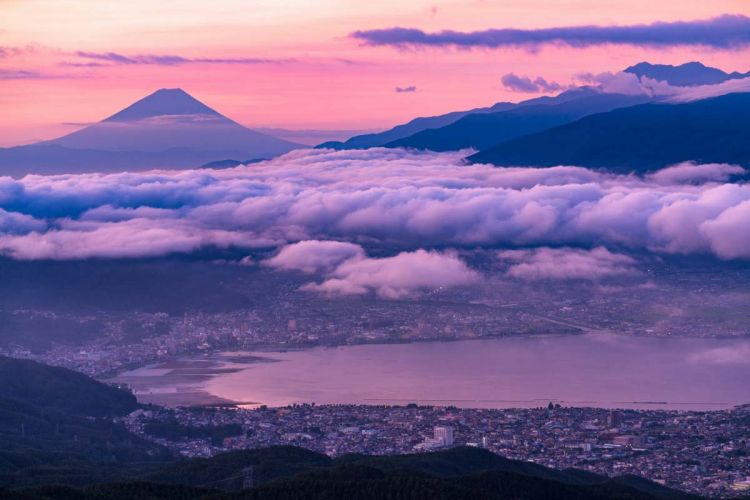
296 64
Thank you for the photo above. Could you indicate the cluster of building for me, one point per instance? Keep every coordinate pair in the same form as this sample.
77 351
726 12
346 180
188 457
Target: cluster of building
703 452
700 452
301 320
160 336
669 299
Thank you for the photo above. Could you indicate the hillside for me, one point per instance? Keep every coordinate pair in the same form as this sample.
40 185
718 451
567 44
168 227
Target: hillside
414 126
48 387
481 131
293 473
639 138
54 433
56 427
224 471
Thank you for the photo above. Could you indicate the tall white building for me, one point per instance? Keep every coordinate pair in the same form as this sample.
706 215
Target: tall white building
444 433
443 437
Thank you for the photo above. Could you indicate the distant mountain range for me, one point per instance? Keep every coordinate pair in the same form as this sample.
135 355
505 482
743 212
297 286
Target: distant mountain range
685 75
480 131
167 129
171 129
416 125
489 129
429 132
638 138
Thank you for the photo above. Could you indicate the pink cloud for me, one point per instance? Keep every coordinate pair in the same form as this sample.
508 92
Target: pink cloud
126 239
566 263
398 276
690 172
395 198
313 256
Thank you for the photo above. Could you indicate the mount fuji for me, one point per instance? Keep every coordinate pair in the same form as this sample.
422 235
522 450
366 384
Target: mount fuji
166 129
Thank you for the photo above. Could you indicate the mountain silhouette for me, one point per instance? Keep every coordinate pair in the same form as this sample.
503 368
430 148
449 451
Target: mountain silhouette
414 126
638 138
481 131
482 128
166 129
685 75
163 102
392 137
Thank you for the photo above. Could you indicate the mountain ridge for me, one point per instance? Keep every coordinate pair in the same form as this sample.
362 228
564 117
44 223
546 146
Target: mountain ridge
412 126
689 74
481 131
637 139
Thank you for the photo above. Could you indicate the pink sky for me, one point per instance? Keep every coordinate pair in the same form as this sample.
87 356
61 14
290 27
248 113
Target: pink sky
316 76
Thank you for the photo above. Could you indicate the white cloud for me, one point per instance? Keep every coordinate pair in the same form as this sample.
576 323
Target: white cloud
131 238
627 83
348 271
630 84
402 199
314 256
686 94
566 263
686 173
396 277
723 355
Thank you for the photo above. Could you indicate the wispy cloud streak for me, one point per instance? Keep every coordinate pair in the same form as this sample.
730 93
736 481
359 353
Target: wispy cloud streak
516 83
169 59
24 74
726 32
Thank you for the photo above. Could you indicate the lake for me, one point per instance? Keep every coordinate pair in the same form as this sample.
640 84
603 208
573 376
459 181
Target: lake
602 370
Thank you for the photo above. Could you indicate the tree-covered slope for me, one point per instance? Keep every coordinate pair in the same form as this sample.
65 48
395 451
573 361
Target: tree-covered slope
61 390
639 138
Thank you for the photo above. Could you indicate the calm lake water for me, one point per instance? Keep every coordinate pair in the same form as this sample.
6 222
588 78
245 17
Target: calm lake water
584 370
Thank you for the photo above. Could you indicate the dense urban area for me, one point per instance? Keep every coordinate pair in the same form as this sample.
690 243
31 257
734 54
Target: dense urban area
701 452
698 302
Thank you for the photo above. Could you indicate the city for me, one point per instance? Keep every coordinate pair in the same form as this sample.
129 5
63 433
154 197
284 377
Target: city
674 298
706 453
356 250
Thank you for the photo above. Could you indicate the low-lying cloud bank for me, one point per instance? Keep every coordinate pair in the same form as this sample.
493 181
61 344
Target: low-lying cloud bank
402 199
630 84
566 264
348 271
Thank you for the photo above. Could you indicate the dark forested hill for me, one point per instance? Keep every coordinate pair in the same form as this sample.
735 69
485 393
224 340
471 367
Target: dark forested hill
292 473
225 471
58 389
639 138
56 428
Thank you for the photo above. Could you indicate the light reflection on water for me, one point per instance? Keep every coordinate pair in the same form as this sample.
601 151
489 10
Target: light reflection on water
585 370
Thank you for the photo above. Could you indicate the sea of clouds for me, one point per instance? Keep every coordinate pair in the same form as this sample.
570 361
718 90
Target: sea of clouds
420 204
